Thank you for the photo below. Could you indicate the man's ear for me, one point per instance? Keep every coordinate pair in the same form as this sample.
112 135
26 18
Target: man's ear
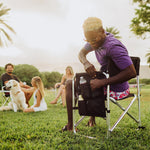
101 31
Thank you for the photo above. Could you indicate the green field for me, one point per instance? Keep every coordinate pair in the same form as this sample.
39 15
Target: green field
42 130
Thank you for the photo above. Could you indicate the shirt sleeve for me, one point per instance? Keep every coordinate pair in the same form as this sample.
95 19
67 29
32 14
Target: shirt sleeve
16 78
120 57
4 78
88 47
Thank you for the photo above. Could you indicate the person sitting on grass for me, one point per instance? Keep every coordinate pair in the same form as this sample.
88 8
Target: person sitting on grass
104 45
62 92
38 89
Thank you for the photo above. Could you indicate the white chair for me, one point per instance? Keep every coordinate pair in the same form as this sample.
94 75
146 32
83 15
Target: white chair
135 96
85 105
5 94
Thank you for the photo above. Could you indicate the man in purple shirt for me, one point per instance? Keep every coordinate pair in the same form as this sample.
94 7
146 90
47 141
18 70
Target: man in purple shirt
105 46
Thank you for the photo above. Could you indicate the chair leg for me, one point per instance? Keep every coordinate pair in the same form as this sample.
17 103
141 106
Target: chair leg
115 102
73 103
75 125
138 97
6 100
126 110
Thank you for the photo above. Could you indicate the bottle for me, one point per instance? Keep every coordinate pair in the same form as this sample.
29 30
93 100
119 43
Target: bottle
82 80
80 98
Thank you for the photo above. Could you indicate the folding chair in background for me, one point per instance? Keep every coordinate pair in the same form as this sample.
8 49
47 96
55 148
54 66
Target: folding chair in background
5 95
93 102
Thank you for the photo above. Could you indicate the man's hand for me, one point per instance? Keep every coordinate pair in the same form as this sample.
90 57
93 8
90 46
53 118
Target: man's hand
91 70
98 83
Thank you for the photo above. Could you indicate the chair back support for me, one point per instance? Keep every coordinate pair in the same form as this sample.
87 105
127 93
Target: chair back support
113 69
7 94
136 63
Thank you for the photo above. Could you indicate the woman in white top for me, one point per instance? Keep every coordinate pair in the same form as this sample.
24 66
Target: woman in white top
39 102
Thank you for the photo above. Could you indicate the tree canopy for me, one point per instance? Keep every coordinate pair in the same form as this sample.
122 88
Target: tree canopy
4 27
140 24
148 58
50 78
26 72
114 31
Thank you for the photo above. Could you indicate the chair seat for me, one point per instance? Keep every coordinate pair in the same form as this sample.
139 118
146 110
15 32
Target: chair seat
130 95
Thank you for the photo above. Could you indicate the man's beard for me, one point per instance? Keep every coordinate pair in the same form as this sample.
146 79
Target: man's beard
10 72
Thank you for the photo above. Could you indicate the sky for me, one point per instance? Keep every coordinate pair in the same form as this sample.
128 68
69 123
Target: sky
49 32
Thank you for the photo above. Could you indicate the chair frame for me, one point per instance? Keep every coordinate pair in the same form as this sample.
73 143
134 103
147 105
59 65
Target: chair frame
136 63
5 99
108 99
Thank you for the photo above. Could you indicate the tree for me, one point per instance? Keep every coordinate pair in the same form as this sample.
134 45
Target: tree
4 27
2 70
148 58
45 76
140 24
114 31
50 78
26 72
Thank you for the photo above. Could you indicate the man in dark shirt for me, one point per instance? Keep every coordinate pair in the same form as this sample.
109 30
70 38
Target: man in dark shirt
9 75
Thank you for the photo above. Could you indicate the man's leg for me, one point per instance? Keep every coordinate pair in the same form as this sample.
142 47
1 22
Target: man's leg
63 96
28 96
69 126
69 104
91 122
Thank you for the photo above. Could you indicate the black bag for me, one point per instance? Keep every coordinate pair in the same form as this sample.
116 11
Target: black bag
93 103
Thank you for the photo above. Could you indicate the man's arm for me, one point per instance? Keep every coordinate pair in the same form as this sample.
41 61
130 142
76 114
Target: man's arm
89 68
4 79
23 85
123 76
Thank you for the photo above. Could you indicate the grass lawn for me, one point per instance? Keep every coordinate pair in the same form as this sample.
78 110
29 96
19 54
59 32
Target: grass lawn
42 130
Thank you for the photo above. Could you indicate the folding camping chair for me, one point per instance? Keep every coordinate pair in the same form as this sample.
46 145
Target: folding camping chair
86 106
112 69
5 95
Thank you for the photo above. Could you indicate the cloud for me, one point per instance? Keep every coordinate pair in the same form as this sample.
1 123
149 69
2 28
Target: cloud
49 32
39 6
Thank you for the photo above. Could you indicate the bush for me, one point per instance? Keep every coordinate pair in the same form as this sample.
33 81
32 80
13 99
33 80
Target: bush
142 81
26 72
50 78
145 81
